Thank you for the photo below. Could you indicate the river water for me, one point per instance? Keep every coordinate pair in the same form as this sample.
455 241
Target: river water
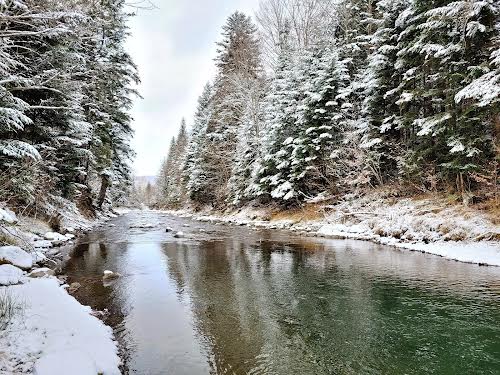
235 300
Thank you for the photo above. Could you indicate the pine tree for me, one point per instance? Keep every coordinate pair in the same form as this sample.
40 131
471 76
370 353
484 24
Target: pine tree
243 184
442 50
238 61
381 123
279 130
304 141
166 177
194 168
64 98
171 182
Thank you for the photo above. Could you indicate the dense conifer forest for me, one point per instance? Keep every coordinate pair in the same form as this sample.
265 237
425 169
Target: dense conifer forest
316 99
65 91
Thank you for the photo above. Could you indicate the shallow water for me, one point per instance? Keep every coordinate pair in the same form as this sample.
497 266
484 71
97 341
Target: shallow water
234 300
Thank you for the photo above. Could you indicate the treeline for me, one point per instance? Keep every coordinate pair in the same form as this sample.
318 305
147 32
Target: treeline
65 83
325 98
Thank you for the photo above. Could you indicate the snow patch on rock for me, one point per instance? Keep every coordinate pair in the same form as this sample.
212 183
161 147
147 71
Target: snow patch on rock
10 275
8 216
16 256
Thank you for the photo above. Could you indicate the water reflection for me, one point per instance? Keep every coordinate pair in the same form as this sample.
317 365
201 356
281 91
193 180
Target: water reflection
238 301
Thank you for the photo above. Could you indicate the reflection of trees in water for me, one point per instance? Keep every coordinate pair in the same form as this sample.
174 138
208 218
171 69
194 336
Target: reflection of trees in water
260 305
268 302
86 267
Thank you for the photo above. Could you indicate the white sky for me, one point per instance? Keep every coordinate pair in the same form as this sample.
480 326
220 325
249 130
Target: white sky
174 48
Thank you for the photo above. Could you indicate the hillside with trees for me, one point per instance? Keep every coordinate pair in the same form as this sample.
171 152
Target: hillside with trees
319 99
65 92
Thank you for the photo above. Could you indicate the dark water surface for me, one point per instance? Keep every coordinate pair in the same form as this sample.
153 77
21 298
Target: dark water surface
231 300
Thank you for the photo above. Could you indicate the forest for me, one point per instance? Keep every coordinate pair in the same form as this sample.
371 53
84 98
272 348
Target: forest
65 91
317 99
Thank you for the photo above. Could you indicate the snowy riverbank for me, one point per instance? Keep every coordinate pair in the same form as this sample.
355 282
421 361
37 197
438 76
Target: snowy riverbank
51 334
45 330
428 225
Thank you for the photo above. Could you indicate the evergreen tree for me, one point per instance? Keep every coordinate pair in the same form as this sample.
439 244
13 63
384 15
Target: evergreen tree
238 61
171 182
64 98
442 50
194 168
242 185
279 130
381 123
304 143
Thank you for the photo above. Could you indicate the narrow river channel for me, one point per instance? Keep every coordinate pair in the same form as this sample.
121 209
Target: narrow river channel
235 300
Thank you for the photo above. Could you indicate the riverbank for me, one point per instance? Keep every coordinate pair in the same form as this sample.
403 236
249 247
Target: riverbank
44 329
428 224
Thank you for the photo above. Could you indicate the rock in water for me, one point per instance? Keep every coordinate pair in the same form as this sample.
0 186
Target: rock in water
110 275
73 287
16 256
179 235
10 275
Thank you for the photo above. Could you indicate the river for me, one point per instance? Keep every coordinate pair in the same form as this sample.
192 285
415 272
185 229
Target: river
237 300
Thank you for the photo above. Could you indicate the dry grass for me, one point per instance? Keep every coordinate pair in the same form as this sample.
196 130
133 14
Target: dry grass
491 208
309 212
8 308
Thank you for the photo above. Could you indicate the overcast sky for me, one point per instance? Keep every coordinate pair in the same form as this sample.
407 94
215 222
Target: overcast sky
174 47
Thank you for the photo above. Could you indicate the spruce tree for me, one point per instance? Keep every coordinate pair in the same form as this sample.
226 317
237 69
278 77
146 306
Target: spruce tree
238 61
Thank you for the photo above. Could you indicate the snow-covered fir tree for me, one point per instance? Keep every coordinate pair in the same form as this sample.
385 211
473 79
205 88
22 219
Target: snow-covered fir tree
238 62
194 168
444 46
171 182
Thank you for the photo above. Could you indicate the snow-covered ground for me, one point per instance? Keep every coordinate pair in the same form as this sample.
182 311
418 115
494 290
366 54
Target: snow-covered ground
427 225
50 332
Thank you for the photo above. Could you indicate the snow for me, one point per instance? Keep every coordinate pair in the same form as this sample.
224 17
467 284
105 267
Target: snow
16 256
179 234
57 363
427 125
55 335
54 236
7 216
10 275
468 252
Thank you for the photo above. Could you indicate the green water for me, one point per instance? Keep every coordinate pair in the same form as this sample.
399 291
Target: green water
226 300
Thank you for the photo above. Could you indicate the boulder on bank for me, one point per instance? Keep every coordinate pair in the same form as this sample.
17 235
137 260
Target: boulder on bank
54 236
15 256
179 235
168 229
41 272
10 275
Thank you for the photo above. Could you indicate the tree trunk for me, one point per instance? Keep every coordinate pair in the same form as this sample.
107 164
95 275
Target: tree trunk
104 189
